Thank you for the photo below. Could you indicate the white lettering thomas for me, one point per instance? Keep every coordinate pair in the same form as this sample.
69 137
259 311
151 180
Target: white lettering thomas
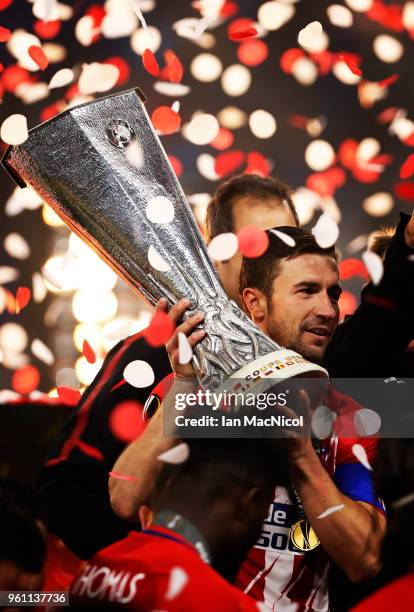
122 586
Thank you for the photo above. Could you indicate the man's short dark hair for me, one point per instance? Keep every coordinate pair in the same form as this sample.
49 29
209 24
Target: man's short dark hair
260 272
380 240
220 218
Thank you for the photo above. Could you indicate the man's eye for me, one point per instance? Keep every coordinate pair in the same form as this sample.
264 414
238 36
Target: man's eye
307 291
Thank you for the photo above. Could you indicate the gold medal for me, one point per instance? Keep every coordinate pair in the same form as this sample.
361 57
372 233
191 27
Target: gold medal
303 536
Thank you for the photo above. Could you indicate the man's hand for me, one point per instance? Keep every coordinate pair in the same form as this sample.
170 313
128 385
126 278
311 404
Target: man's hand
194 336
299 438
409 232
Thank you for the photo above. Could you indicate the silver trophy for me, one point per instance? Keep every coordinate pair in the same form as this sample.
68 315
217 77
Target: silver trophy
77 162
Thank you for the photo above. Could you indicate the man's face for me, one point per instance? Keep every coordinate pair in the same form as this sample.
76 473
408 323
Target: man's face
303 311
248 211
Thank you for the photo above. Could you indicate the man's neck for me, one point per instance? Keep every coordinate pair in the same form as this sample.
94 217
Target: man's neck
186 529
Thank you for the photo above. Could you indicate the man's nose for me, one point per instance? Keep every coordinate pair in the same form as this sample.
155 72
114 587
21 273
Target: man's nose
324 307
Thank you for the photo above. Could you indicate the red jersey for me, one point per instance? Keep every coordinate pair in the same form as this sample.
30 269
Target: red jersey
397 596
275 572
157 569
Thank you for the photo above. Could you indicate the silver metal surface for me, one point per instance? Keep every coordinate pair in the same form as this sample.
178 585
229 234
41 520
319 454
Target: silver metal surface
77 162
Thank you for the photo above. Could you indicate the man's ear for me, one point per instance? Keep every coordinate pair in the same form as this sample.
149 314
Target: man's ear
255 304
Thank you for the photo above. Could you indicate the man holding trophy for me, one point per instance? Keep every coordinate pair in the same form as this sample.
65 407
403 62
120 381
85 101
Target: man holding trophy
112 207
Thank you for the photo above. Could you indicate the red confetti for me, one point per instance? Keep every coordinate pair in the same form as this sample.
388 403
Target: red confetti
47 29
5 34
69 396
174 70
326 183
121 477
253 242
404 191
257 164
126 422
4 4
160 329
352 267
89 450
88 352
25 379
389 16
223 140
177 166
1 70
407 169
228 162
50 111
241 34
97 12
150 63
252 52
347 304
352 61
289 57
389 80
38 56
298 121
23 296
229 9
166 120
409 141
123 67
325 60
347 153
13 76
72 92
238 25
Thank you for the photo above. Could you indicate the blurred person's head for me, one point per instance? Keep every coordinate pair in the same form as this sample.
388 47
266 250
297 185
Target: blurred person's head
247 200
22 537
394 482
292 292
379 241
224 488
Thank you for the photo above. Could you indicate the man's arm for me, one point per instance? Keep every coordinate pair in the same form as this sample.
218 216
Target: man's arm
351 536
372 341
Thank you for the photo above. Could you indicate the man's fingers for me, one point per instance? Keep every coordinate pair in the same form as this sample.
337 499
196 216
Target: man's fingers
161 305
179 309
186 328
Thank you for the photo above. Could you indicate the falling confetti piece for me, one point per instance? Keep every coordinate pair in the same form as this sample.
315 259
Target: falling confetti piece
174 70
139 374
284 237
361 454
322 421
374 265
38 56
47 29
326 231
150 63
160 210
166 120
157 261
253 242
202 129
23 296
52 278
126 421
352 62
223 247
16 246
42 352
185 352
252 52
5 34
97 77
122 477
241 34
8 274
69 396
46 10
178 580
88 352
331 510
407 169
123 69
389 81
308 35
14 130
25 379
160 329
61 78
227 163
352 267
405 191
367 422
176 455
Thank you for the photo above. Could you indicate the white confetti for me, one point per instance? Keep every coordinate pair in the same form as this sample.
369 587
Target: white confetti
85 30
42 352
160 210
8 274
16 246
223 246
39 288
202 129
46 10
178 580
134 154
322 422
340 16
52 278
284 237
96 77
139 374
331 510
119 23
185 352
374 265
175 90
367 422
61 78
14 129
310 35
157 261
361 454
326 231
175 456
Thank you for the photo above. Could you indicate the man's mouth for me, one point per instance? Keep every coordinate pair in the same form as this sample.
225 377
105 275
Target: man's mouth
322 332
